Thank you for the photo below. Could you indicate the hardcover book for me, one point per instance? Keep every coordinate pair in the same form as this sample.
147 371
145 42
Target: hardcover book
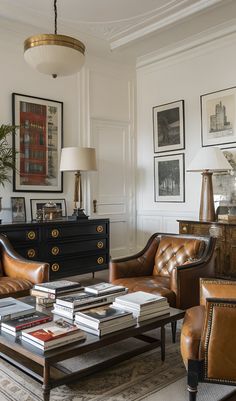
140 299
103 288
102 314
109 329
50 332
55 287
11 308
60 342
24 322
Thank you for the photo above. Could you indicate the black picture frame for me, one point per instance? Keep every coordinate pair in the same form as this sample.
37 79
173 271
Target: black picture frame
18 209
218 117
38 143
168 127
36 204
169 178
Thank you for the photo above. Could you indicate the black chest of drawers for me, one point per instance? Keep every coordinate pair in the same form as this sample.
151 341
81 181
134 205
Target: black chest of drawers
70 247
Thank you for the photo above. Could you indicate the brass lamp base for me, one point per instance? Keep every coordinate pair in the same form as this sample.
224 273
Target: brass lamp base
207 208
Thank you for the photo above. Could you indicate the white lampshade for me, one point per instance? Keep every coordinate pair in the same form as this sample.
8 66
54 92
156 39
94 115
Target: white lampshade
209 159
55 55
78 159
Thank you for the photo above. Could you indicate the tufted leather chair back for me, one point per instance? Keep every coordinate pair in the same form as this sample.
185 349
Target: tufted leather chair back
175 251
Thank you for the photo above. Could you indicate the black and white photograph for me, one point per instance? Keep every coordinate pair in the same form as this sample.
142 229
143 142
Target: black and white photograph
18 209
41 206
168 127
169 178
218 117
224 182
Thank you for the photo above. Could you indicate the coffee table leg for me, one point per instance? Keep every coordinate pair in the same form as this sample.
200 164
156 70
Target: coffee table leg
46 387
163 343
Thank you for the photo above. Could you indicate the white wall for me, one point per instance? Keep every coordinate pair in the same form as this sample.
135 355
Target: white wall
205 69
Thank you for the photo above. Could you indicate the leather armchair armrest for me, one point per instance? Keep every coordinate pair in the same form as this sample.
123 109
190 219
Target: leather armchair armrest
15 266
218 342
140 264
216 288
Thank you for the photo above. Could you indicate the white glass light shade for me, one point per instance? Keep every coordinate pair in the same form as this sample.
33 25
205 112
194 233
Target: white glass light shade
55 55
78 159
210 159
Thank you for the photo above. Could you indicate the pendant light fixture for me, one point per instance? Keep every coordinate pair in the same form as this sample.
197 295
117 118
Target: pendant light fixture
54 54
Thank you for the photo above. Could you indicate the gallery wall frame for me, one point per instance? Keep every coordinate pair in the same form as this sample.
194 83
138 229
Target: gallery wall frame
168 127
38 143
18 209
169 178
38 204
218 117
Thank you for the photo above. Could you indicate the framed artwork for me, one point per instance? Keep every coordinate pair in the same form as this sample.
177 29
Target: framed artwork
224 182
168 127
18 209
169 178
37 205
218 117
38 144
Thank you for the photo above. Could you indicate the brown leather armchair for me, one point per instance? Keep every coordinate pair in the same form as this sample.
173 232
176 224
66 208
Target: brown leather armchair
208 344
17 274
169 265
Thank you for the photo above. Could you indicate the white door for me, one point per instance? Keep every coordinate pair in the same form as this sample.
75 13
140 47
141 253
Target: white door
112 186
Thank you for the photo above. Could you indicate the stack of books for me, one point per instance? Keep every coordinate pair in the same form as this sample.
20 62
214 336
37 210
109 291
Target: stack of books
11 308
16 325
52 335
143 305
104 320
46 293
96 295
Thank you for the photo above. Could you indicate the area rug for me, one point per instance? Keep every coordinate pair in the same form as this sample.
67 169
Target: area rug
134 380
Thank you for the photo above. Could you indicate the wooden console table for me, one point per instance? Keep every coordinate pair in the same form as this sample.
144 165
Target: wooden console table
70 247
225 245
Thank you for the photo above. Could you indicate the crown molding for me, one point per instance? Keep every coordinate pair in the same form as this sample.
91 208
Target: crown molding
214 37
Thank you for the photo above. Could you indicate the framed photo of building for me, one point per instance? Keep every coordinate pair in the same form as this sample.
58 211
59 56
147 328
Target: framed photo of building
218 117
38 144
39 205
169 178
18 209
168 127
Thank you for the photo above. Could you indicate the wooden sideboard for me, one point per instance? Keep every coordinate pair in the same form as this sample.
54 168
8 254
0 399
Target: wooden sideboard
225 245
70 247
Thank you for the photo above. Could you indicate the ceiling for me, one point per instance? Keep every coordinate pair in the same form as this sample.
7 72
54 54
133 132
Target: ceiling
121 29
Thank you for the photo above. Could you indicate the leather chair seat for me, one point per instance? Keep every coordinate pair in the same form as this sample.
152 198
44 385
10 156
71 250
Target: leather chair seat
153 284
10 286
191 333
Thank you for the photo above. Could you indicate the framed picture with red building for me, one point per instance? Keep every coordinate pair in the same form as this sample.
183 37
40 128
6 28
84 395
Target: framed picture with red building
38 143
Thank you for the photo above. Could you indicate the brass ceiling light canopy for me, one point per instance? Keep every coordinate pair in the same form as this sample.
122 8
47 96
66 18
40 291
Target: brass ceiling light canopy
54 54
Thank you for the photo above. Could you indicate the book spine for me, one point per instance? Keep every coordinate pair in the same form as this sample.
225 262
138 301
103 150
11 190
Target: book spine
32 324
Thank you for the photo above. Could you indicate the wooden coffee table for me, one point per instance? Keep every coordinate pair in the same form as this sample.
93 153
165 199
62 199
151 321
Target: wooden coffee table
47 368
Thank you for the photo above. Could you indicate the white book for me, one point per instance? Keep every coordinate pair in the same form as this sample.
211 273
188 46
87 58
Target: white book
140 312
47 347
139 299
11 308
104 288
56 287
152 315
107 330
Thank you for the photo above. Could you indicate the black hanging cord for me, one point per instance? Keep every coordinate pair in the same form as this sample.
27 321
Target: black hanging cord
55 11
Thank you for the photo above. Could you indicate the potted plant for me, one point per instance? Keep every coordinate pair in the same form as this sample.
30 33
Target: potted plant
7 154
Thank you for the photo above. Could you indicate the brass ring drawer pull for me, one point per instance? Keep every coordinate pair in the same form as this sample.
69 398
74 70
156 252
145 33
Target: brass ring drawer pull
100 244
31 253
55 233
55 267
55 250
31 235
99 229
100 260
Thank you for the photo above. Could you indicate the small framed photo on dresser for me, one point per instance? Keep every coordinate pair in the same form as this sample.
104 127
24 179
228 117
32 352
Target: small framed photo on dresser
18 209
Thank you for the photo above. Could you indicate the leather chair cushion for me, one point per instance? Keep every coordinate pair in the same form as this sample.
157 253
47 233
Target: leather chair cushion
191 333
151 284
174 251
10 286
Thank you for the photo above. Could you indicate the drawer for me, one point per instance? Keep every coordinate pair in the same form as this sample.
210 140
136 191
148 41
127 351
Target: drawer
21 235
75 247
29 252
194 229
75 266
231 234
74 230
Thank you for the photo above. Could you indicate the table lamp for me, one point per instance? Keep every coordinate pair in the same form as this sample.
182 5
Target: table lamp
78 159
207 161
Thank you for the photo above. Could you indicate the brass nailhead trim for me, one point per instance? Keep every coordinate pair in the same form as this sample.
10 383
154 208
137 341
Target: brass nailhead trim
55 233
100 260
31 253
31 235
99 229
100 244
55 250
55 267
